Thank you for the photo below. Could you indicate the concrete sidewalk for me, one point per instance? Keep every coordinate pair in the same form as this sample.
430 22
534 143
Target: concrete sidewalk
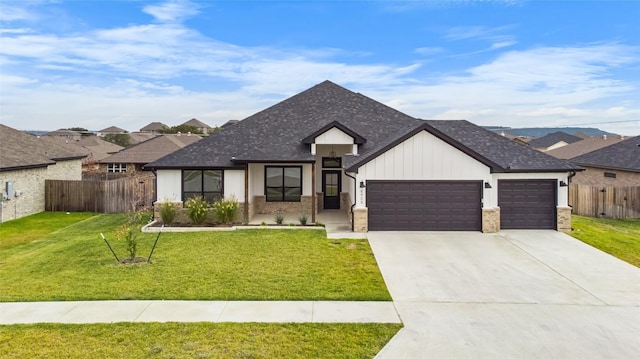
198 311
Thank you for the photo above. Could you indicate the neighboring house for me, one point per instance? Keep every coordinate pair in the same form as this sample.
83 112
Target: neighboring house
206 129
553 140
518 139
26 161
137 137
154 127
229 123
99 149
130 160
112 130
617 165
328 148
587 145
67 134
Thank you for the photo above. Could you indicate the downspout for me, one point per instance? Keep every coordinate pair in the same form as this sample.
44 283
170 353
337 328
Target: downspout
355 191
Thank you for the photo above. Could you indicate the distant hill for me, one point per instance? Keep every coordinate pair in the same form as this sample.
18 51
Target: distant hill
542 131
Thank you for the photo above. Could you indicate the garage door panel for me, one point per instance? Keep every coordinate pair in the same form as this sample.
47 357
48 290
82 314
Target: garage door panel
424 205
527 204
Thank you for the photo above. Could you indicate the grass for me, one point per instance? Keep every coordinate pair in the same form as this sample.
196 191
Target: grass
618 237
194 340
14 233
74 263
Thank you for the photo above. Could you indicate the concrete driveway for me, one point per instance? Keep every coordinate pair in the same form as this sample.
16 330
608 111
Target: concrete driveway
516 294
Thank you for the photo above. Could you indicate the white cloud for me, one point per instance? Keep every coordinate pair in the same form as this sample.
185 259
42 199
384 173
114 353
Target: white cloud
172 10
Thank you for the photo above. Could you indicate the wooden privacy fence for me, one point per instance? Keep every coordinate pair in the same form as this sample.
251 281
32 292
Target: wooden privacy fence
608 202
118 195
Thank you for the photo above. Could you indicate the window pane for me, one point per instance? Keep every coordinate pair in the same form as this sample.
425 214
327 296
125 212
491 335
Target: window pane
188 195
213 181
292 194
192 181
274 194
292 176
274 176
328 162
212 197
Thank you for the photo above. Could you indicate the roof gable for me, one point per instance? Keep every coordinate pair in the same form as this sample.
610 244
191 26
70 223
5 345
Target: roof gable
553 138
357 139
194 122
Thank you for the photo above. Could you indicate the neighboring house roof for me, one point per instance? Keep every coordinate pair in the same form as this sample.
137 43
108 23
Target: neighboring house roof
113 129
624 155
65 133
154 126
98 148
196 123
553 138
152 149
585 146
279 133
137 137
229 123
19 150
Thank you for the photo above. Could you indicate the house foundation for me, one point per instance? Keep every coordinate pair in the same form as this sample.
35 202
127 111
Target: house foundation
360 219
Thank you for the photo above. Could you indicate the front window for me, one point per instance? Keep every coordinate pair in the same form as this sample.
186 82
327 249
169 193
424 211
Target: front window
116 167
283 184
331 162
202 183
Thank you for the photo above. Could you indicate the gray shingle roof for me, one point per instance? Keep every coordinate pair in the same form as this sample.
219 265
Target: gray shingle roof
553 138
585 146
154 126
19 150
194 122
151 149
624 155
276 134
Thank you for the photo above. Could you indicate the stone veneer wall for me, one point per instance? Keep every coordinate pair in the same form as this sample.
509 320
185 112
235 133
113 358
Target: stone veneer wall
360 220
564 219
490 220
261 206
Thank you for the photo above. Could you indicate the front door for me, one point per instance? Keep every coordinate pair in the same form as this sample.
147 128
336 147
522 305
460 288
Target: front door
331 187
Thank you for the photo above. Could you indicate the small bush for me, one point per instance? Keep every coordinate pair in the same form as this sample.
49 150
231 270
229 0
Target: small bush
226 209
303 219
292 224
279 218
196 209
128 232
168 212
263 223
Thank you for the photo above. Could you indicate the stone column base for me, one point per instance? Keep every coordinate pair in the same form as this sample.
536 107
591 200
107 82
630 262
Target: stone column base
563 222
361 219
490 220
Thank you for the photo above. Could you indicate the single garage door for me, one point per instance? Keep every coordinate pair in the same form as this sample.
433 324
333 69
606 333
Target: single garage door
527 204
424 205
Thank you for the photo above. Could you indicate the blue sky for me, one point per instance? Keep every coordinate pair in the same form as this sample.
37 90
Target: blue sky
512 63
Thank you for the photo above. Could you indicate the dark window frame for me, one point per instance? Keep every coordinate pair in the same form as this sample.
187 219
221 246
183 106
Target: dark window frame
325 159
202 192
610 175
283 187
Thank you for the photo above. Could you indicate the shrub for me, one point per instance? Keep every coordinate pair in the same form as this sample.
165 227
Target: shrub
128 232
279 218
167 212
196 209
303 219
226 209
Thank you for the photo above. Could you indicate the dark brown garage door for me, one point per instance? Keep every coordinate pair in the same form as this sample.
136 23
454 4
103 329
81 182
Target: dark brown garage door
527 204
424 205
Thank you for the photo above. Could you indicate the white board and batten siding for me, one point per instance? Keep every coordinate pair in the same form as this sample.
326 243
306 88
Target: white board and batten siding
234 184
333 136
422 157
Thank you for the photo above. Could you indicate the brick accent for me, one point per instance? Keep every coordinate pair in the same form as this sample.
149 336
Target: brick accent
564 219
261 206
360 219
595 177
490 220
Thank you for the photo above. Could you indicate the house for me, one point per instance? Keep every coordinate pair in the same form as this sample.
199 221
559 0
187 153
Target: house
130 160
26 161
617 165
67 134
206 129
98 149
553 140
154 127
229 123
518 139
587 145
111 130
328 148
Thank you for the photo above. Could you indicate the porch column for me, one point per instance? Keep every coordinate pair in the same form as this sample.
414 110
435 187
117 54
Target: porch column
313 192
246 193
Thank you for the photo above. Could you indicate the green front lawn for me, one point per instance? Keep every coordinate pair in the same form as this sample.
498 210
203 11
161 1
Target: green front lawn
74 263
28 229
195 340
618 237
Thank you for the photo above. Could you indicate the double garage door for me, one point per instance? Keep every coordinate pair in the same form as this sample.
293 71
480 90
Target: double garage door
457 205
